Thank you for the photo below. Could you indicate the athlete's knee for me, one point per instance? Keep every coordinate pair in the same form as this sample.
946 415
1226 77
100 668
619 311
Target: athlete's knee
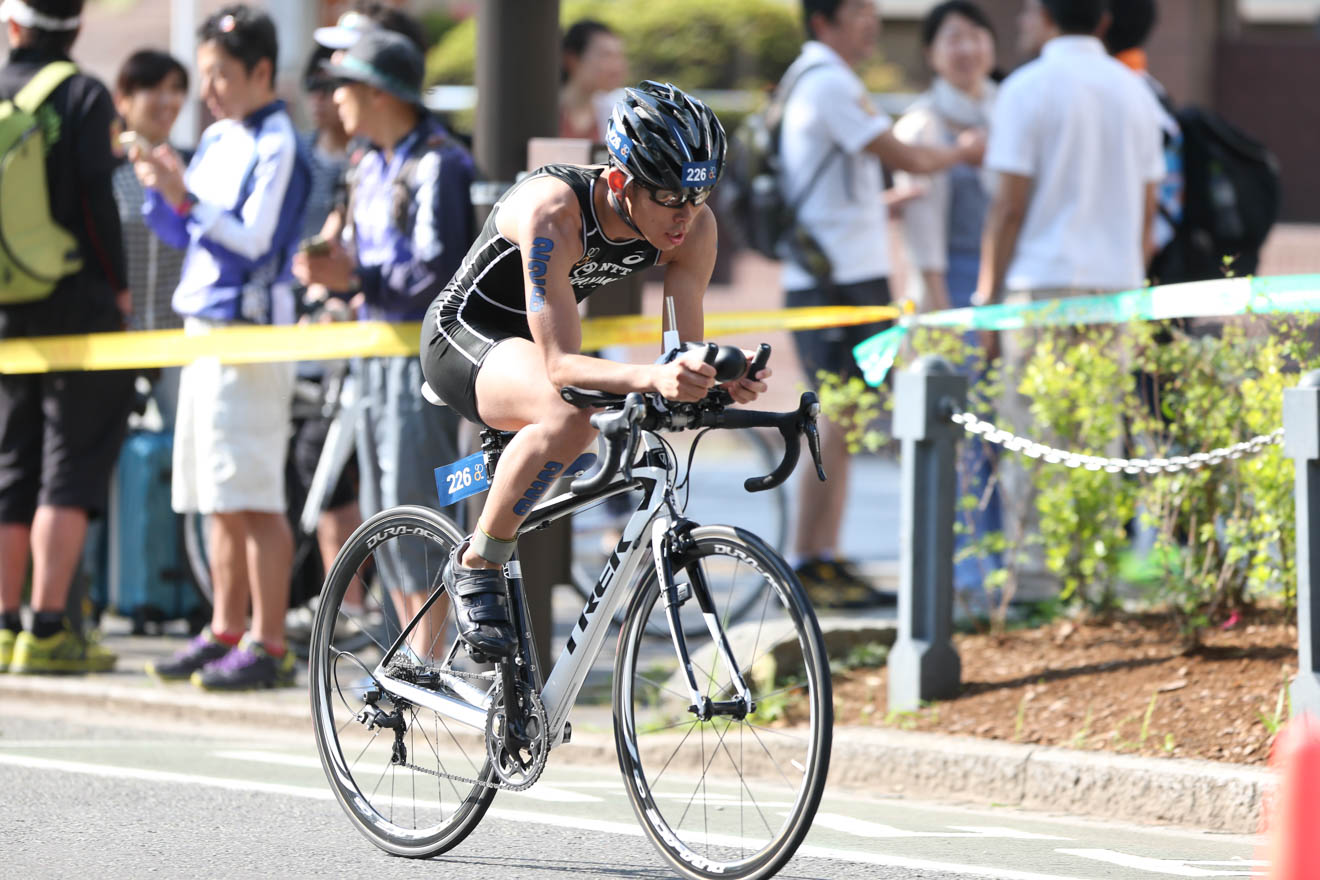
568 423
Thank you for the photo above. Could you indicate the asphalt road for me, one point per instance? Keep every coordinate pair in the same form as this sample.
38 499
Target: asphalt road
119 797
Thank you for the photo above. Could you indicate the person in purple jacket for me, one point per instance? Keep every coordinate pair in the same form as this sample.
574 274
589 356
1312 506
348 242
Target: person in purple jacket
408 223
237 211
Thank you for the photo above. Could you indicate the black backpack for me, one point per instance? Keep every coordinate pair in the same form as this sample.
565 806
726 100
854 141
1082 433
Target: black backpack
1230 200
751 192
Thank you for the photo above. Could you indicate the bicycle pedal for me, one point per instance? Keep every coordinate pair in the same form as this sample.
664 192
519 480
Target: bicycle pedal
479 656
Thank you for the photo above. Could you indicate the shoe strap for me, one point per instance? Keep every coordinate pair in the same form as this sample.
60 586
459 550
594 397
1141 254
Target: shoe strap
472 581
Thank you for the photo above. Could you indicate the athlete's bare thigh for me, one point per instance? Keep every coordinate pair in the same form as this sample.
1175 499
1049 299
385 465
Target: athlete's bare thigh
513 390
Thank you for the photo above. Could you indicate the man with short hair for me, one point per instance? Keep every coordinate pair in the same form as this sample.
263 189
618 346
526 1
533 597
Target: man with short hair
237 210
1077 148
60 433
408 222
833 142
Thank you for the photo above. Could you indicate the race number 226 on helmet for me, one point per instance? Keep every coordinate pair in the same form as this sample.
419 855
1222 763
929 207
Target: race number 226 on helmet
668 141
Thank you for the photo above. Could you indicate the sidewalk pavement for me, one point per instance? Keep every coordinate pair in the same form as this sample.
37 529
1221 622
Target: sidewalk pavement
1199 794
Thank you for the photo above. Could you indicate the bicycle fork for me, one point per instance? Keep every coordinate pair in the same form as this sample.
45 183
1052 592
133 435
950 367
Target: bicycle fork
664 541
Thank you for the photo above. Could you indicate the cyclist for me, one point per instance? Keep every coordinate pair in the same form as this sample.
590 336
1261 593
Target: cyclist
505 335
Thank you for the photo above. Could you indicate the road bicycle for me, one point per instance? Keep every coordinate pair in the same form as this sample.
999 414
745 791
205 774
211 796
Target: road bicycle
723 740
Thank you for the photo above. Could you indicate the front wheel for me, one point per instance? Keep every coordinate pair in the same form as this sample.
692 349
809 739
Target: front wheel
730 796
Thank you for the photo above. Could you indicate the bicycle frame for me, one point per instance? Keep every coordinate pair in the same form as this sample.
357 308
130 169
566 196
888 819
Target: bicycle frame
584 644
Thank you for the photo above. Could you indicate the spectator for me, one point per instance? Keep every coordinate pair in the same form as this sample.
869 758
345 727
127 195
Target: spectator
366 15
326 143
1131 24
327 146
942 226
832 143
408 224
237 210
149 93
1075 143
594 71
60 433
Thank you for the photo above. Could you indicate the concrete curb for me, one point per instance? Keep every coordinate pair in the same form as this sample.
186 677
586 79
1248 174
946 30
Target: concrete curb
1199 794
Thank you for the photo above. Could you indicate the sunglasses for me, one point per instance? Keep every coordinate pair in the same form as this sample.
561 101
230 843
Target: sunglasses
670 199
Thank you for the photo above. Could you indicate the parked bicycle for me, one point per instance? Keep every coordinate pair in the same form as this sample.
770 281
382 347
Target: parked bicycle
723 741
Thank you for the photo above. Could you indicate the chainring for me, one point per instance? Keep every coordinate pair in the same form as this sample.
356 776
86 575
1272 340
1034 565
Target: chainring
517 771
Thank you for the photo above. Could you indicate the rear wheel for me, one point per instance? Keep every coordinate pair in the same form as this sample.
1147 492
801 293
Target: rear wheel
729 796
413 781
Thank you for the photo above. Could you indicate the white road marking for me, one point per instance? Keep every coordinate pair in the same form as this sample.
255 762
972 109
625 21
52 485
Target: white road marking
539 818
547 793
1167 867
1003 832
863 828
269 758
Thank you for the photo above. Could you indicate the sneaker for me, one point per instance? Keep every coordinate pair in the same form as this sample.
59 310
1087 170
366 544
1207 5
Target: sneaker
244 668
202 649
7 638
66 651
834 584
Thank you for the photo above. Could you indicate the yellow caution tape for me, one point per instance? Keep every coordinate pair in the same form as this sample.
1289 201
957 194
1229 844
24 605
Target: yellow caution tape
317 342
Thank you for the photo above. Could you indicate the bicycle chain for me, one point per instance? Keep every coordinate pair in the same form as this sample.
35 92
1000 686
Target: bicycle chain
474 676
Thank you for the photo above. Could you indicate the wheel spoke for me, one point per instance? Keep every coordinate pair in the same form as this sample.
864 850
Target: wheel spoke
661 686
773 759
656 781
742 781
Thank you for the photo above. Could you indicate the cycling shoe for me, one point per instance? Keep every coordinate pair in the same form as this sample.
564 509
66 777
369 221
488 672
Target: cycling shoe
481 608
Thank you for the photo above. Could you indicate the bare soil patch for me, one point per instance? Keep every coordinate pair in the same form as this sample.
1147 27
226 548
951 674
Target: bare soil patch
1125 685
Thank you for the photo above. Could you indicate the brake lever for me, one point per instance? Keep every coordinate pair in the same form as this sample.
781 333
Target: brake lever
809 409
630 450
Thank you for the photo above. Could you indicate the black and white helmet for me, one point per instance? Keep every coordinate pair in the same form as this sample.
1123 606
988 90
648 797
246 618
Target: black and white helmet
666 139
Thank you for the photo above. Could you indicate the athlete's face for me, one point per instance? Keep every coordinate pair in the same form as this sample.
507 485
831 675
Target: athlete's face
663 226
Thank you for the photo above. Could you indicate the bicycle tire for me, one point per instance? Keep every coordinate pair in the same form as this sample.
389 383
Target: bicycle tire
735 807
759 457
339 734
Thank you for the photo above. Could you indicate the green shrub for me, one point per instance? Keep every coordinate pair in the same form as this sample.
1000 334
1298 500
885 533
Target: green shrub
1224 536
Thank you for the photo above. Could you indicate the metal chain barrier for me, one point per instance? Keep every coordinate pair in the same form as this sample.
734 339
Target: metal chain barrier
1031 449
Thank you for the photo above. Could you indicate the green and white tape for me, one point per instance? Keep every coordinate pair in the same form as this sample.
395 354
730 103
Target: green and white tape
1225 297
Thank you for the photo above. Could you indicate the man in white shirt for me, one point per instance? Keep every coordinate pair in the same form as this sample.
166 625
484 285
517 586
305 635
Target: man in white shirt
1076 144
832 143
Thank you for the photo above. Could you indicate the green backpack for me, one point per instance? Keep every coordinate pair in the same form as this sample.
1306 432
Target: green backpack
35 252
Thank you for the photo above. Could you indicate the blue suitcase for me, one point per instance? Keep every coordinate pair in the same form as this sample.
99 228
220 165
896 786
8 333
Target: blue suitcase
144 576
